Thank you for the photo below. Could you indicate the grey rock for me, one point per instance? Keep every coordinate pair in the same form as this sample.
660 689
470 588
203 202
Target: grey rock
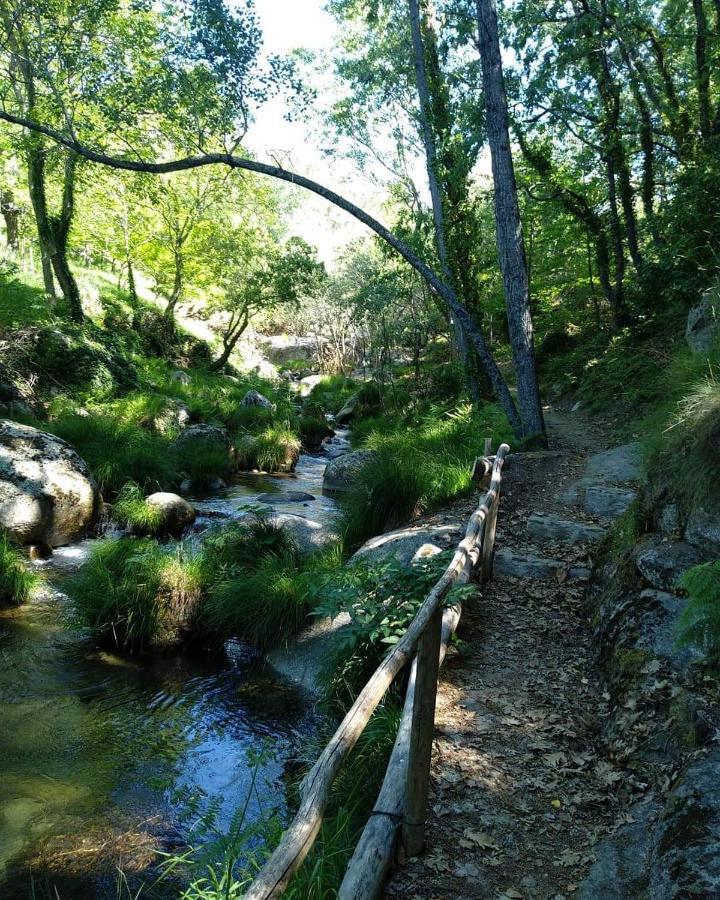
47 494
180 377
347 413
285 497
537 568
669 519
341 473
608 502
703 530
404 544
306 657
621 863
427 551
548 527
618 465
309 534
203 435
660 630
255 398
177 513
662 563
703 323
305 385
174 416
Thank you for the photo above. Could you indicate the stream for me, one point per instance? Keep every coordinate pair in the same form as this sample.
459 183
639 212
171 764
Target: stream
107 758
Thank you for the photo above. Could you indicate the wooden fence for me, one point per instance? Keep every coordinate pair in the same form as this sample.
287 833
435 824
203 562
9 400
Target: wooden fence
401 805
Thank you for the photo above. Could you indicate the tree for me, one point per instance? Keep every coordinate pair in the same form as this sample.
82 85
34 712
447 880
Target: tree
511 247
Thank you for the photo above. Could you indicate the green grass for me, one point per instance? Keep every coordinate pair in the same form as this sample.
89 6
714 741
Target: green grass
116 452
259 586
275 449
332 392
16 578
132 511
419 466
134 593
22 302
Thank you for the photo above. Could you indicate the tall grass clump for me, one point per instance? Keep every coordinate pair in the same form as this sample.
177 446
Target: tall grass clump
259 586
275 449
116 452
132 511
332 392
16 578
700 621
134 593
202 461
418 466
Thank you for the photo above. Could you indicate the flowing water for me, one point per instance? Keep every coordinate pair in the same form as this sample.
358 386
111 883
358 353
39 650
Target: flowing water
104 758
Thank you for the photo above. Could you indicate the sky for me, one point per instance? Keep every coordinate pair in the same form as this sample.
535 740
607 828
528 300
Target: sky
288 25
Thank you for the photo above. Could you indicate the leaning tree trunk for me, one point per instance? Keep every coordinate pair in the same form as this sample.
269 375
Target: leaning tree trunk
60 229
511 248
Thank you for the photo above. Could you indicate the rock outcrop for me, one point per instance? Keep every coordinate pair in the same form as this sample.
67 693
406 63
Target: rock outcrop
255 398
703 323
341 473
47 494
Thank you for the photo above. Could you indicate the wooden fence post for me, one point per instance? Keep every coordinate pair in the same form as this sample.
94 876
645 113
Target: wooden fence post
488 542
423 726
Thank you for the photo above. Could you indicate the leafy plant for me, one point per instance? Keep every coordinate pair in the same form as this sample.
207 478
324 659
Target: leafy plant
700 621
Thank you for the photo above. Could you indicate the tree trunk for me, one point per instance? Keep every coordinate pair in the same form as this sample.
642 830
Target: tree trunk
60 231
702 69
38 199
511 249
431 163
235 331
11 214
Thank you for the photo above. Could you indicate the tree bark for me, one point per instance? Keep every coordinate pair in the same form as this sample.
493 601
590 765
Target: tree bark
36 189
511 248
60 232
11 214
431 163
702 69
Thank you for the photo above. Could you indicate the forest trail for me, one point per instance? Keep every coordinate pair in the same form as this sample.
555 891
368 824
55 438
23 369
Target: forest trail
520 788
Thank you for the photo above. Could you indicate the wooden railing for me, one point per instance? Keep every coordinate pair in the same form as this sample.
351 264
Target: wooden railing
401 805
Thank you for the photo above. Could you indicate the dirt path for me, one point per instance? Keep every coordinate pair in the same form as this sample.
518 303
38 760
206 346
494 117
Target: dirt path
520 787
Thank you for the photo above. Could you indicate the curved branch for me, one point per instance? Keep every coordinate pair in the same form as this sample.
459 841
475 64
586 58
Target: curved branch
250 165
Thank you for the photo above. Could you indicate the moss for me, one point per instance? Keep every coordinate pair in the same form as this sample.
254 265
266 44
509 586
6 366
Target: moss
630 663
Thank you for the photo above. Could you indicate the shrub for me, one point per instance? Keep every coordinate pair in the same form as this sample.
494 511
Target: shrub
116 452
313 430
132 511
276 449
16 579
134 593
700 621
257 588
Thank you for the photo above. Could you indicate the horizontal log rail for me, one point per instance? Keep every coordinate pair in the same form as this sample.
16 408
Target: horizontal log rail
402 800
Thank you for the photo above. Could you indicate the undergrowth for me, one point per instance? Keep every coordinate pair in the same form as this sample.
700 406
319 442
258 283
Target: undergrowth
16 578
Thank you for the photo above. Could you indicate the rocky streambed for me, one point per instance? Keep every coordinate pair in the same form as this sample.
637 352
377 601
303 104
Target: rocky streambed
104 757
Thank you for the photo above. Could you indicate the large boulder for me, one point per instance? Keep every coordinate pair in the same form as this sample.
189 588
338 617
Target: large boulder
177 513
347 413
47 494
341 473
703 529
703 324
402 545
255 398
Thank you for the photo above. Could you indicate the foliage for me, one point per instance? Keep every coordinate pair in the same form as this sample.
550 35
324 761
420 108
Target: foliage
274 449
135 593
331 393
16 578
420 463
259 587
381 600
700 621
116 452
133 512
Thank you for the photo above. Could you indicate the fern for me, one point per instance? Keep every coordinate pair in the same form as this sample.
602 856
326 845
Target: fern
700 621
